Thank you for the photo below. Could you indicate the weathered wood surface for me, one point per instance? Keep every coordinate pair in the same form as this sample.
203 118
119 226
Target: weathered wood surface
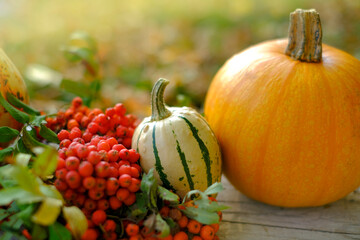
250 220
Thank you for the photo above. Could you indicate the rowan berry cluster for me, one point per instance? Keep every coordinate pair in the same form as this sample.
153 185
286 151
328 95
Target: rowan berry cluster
96 170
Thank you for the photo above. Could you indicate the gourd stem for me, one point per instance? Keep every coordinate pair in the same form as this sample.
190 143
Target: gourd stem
305 36
158 108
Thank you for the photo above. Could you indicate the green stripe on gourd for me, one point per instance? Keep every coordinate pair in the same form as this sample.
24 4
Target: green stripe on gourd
203 148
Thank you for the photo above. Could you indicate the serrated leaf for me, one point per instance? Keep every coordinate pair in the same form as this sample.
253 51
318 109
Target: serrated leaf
58 231
214 188
38 120
161 226
167 195
48 212
7 134
7 195
5 152
201 215
15 113
45 163
48 134
19 104
77 221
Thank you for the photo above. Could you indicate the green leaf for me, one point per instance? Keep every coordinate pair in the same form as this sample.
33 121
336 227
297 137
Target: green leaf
50 191
214 188
48 134
45 163
149 187
167 195
5 152
75 87
48 212
25 179
7 195
77 221
19 104
161 226
38 120
22 159
21 148
29 141
139 209
7 134
201 215
15 113
58 231
26 213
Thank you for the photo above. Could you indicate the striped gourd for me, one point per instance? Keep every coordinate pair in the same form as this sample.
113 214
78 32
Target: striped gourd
179 144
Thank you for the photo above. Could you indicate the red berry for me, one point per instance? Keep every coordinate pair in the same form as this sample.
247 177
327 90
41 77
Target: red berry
132 229
82 151
89 182
98 217
135 185
65 143
95 194
70 195
93 127
86 169
133 156
102 169
112 184
124 154
122 194
71 124
123 162
118 147
121 131
109 225
125 180
73 179
103 145
60 164
130 199
115 203
103 204
60 185
104 155
79 140
110 236
127 142
78 116
62 152
87 136
90 234
113 155
72 163
120 109
134 172
84 122
79 200
113 172
124 169
75 133
100 184
61 174
94 157
110 112
77 102
90 204
91 148
137 166
63 134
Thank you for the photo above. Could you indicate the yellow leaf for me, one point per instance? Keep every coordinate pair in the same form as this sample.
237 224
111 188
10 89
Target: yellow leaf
48 212
77 221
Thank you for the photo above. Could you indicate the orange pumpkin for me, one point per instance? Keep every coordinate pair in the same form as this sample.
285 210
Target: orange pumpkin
12 82
287 116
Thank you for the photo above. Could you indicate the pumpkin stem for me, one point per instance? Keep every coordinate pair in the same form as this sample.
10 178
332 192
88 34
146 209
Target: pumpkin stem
158 108
305 36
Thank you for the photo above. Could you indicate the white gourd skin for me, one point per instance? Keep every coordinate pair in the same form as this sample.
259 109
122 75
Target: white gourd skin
187 150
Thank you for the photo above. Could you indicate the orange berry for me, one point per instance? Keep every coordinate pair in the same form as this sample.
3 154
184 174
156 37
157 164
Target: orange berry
132 229
183 221
181 236
175 214
90 234
215 226
207 232
197 238
169 237
194 226
136 237
164 211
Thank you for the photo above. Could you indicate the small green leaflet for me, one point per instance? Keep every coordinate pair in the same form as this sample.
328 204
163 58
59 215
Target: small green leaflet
58 231
162 226
19 104
201 215
7 134
214 188
48 134
149 187
7 195
29 140
15 113
38 120
168 196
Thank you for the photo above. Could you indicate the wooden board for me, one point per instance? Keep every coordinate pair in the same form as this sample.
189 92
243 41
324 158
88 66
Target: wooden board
250 220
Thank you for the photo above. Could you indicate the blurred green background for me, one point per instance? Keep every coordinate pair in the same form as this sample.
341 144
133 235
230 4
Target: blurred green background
138 41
